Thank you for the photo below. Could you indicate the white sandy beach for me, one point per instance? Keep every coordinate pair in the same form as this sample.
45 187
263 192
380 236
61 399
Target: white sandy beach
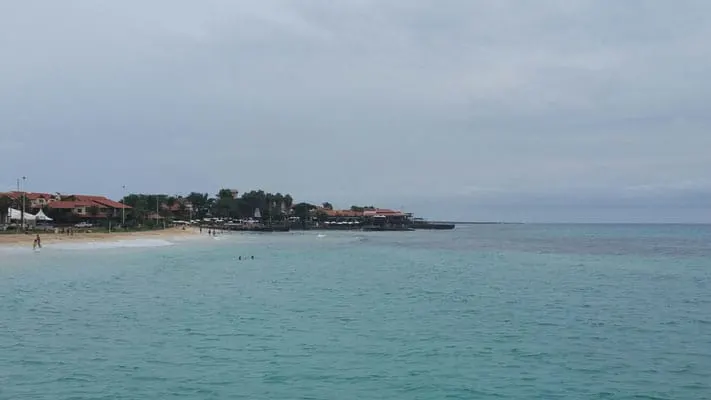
21 239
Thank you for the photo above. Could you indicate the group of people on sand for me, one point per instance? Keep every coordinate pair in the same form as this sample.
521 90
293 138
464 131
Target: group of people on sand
210 232
37 243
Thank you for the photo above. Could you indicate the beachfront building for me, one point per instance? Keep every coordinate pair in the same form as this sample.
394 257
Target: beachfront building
356 219
387 219
33 200
340 219
180 208
76 208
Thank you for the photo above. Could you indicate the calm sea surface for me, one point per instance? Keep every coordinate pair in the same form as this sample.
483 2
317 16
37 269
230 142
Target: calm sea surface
500 312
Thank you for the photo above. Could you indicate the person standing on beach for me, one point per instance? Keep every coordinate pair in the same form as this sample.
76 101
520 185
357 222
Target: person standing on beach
39 241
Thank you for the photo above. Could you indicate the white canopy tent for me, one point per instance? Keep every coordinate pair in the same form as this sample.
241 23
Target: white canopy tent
16 215
41 216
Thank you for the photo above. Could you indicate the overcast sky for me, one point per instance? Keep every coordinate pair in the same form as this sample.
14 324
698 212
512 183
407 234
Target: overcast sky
542 110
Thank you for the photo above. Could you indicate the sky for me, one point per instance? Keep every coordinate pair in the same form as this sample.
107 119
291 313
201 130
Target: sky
545 111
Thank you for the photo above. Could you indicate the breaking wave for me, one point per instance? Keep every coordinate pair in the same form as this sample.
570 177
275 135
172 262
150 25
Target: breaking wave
129 243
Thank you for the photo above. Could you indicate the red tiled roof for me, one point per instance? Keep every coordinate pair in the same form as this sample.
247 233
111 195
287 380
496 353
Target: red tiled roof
175 207
188 205
383 211
79 200
100 201
35 196
28 195
68 204
342 213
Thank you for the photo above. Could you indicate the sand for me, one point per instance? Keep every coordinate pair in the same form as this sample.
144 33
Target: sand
28 239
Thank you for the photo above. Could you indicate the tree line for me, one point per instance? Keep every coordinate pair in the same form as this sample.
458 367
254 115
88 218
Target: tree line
201 205
272 206
5 203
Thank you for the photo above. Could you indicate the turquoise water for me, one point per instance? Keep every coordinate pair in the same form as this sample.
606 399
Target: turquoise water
500 312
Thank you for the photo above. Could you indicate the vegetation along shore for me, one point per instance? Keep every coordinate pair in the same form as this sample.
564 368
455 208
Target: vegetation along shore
255 210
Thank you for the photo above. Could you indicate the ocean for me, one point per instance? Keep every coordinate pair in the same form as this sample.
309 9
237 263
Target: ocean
480 312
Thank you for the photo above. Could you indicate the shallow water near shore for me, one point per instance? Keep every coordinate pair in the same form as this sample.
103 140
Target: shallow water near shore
509 311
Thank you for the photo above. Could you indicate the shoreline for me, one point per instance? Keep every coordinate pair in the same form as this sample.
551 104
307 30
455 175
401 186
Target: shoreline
21 239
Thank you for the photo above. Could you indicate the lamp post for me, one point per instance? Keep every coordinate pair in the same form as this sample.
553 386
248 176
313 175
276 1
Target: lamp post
123 209
22 208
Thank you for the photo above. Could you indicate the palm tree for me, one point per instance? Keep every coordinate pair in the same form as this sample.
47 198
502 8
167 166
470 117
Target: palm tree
279 200
182 208
269 202
288 201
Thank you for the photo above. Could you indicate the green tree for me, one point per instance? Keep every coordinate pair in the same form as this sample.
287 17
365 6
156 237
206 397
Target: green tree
269 205
327 206
139 207
253 200
200 204
303 212
131 200
182 209
225 194
170 201
210 206
5 204
288 201
224 206
279 202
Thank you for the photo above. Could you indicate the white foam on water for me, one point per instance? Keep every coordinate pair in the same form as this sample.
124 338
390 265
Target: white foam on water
187 238
100 245
12 248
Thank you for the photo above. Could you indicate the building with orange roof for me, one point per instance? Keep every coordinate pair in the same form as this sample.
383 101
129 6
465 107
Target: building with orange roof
35 201
83 207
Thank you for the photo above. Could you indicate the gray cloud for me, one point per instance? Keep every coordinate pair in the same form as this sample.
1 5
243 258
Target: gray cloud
392 102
